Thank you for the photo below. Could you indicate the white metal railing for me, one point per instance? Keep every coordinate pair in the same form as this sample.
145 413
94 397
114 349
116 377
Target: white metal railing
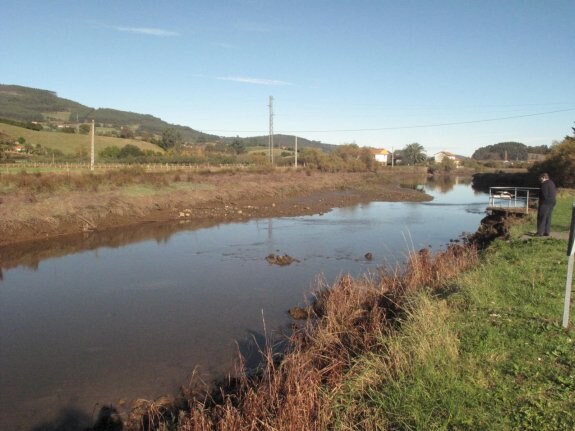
517 199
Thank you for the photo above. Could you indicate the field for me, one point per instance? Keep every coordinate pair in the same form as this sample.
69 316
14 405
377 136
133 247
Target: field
70 143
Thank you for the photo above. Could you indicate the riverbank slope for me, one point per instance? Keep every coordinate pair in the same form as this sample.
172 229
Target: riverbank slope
461 339
487 351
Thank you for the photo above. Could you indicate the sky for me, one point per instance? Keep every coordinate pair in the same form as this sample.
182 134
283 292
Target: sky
451 75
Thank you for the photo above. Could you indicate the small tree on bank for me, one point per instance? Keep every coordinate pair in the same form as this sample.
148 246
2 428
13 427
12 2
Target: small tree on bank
560 164
238 146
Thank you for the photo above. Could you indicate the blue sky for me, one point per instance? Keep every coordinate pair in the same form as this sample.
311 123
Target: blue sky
451 75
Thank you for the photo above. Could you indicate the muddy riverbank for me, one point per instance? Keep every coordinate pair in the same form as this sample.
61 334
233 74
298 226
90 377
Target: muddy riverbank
29 215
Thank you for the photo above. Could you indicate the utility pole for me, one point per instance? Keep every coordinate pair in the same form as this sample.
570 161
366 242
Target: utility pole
570 264
92 149
295 154
271 136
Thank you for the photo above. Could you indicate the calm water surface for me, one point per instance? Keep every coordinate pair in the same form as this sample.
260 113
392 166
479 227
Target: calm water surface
112 322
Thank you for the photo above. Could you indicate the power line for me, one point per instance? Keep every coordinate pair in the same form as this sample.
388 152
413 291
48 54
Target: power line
417 126
455 123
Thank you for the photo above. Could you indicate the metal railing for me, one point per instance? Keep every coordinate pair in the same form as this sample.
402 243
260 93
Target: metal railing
513 199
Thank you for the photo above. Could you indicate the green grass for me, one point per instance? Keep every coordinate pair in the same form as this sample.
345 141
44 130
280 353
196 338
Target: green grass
512 339
63 116
70 143
561 219
492 355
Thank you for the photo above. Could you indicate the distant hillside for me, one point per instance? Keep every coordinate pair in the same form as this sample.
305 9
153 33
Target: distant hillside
283 141
43 106
35 105
31 104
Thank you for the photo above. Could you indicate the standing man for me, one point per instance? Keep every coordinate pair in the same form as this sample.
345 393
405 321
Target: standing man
547 195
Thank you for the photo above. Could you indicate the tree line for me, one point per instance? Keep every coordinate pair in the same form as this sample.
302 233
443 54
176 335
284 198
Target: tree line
510 151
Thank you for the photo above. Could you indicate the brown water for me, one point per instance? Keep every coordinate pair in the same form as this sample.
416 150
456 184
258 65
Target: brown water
135 313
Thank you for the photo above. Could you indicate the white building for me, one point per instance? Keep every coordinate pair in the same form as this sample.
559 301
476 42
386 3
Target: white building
380 155
438 157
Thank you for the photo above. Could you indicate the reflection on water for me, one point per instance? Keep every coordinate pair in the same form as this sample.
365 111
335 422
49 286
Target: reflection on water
446 183
109 317
31 254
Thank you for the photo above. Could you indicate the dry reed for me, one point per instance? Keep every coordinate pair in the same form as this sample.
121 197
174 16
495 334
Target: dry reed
296 391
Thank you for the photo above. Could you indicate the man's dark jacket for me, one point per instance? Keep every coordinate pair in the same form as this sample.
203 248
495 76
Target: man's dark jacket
547 193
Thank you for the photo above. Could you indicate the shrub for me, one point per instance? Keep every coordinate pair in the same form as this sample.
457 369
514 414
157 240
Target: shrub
129 151
560 164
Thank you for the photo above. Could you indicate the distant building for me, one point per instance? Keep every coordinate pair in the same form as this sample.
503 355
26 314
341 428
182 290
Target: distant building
438 157
380 155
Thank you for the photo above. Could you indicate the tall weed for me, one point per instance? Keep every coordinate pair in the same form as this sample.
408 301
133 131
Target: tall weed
351 320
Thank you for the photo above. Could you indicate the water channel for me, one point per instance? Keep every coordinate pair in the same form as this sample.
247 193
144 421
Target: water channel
133 314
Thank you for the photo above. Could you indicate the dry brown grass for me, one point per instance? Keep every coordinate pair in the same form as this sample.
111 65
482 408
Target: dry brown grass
30 203
38 182
296 391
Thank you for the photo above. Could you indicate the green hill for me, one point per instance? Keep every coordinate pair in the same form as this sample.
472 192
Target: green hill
45 107
29 105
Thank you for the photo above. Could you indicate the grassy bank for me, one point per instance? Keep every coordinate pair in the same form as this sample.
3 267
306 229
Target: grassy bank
488 354
458 340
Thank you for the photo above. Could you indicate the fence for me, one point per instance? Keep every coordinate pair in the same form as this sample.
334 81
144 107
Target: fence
149 167
512 199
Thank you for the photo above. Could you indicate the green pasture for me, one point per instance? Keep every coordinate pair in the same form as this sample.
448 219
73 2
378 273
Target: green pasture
70 143
61 115
560 220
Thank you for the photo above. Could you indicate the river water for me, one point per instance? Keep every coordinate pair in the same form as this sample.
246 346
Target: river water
136 313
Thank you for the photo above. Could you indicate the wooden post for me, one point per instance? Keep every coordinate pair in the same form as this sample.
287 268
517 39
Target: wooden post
295 151
92 148
569 283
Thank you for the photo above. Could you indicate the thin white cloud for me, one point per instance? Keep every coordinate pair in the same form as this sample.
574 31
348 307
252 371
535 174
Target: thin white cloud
148 31
256 81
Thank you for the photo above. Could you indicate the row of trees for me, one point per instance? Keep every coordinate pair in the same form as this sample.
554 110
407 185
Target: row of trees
350 157
25 124
511 151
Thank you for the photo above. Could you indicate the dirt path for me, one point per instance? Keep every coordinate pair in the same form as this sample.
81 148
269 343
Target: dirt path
563 236
26 216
